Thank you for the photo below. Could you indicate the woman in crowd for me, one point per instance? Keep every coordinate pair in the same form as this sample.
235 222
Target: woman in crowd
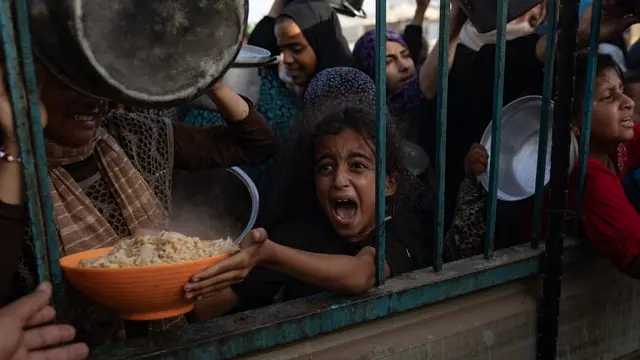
403 88
325 237
110 181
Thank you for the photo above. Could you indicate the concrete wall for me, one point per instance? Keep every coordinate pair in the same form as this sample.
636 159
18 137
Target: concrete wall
600 319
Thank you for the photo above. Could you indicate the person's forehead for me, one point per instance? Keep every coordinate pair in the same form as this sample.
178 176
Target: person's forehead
344 144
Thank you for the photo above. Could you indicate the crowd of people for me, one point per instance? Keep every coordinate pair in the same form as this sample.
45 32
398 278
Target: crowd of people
310 141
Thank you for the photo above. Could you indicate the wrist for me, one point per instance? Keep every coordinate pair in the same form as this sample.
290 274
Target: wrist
267 253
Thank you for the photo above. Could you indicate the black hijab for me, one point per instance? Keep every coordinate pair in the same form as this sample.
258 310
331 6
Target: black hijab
321 27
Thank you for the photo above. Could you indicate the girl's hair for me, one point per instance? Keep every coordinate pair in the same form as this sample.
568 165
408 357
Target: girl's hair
297 193
604 62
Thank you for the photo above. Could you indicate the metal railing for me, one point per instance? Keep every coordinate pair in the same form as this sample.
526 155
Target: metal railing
240 334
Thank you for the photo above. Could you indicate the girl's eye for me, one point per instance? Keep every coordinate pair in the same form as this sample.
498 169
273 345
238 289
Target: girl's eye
358 165
324 168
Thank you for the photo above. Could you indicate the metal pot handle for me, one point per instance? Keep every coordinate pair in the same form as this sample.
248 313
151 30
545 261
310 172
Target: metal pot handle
272 61
358 13
255 200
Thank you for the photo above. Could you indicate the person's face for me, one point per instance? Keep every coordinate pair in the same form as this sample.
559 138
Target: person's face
345 180
633 91
400 66
73 118
612 120
297 55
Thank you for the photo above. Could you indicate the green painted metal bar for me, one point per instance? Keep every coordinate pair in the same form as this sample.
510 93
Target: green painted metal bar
498 87
13 75
381 135
547 94
441 128
255 330
50 232
594 36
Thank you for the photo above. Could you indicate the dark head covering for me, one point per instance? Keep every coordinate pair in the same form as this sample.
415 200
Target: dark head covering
364 52
320 26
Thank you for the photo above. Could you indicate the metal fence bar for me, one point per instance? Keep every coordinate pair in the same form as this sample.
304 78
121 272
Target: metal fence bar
592 63
547 94
37 137
18 102
441 128
498 86
381 135
561 143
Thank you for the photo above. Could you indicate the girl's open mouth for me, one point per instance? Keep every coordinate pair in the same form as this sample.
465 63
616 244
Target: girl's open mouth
345 210
627 122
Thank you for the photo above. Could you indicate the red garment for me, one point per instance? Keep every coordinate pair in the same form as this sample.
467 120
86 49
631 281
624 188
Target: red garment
611 223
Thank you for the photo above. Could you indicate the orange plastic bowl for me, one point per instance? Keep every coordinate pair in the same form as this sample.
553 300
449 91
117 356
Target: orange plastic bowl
138 293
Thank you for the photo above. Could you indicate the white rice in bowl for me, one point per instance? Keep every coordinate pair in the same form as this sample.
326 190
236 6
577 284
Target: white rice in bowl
162 248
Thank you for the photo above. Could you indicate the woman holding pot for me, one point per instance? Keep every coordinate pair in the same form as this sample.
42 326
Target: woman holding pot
111 176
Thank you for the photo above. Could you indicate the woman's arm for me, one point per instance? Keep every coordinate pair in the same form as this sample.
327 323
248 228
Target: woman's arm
246 139
263 35
413 32
429 71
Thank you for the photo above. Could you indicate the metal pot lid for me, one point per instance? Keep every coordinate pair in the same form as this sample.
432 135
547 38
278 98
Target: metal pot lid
250 54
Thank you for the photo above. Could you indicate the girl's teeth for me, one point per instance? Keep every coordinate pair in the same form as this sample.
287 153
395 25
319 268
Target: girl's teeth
82 118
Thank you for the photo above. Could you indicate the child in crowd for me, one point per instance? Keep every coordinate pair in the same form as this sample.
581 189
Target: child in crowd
328 243
610 221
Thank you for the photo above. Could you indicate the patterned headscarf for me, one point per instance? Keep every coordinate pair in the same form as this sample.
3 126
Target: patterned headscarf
336 87
80 226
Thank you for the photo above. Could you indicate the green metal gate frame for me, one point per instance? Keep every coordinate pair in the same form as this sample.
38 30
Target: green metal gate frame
260 329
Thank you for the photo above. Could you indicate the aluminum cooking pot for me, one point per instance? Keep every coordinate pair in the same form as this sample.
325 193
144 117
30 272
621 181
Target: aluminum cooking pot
483 13
243 76
141 53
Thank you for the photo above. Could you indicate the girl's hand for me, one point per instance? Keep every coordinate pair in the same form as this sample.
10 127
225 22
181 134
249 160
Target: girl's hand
24 335
475 163
231 270
6 115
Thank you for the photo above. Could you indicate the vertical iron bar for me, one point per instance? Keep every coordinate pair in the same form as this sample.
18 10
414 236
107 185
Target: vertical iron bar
560 147
37 136
498 86
441 126
588 102
547 93
381 122
18 102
